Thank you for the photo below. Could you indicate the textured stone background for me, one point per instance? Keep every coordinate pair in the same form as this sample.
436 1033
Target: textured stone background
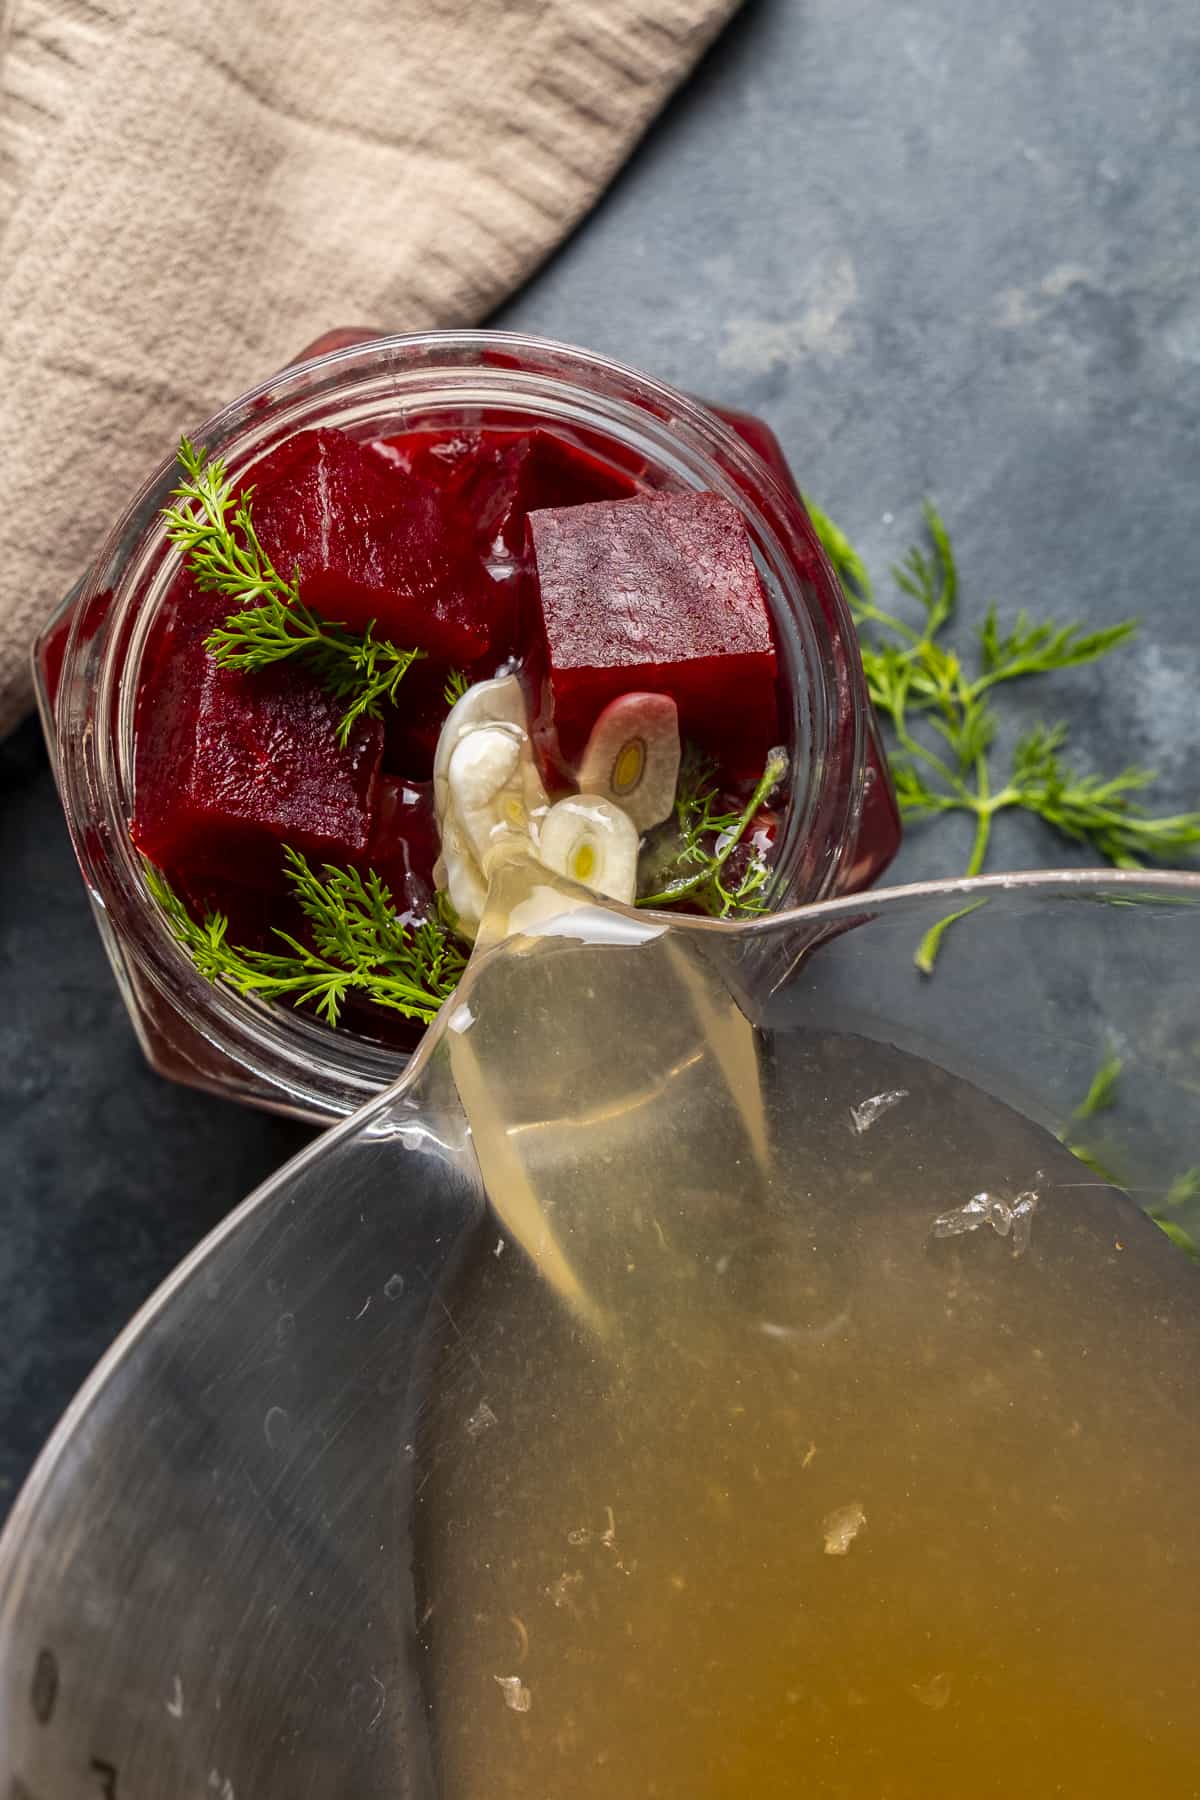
944 248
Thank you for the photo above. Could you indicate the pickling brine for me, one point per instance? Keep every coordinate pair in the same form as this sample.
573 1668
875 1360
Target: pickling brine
799 1421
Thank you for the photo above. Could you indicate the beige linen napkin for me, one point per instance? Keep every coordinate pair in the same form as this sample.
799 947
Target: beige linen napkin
189 192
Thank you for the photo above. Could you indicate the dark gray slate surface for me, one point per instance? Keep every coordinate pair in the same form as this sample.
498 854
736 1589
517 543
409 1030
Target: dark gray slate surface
943 247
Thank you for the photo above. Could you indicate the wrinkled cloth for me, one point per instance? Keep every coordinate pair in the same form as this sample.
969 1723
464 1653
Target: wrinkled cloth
188 194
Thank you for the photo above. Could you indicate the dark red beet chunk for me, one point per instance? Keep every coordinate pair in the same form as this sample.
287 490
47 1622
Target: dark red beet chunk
230 767
402 851
445 459
498 477
661 594
404 845
252 913
489 480
540 471
371 542
412 728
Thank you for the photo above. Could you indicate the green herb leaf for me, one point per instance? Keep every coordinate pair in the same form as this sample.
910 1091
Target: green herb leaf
851 569
456 686
931 581
1091 1160
945 726
1030 649
1100 1097
216 536
364 671
360 945
447 917
1102 1093
746 897
931 943
707 838
1093 809
1184 1189
696 805
1179 1236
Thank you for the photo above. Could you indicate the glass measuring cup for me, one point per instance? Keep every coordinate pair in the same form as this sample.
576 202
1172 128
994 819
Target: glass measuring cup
208 1582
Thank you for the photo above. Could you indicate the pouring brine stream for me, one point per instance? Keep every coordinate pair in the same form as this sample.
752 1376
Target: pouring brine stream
675 1003
749 1462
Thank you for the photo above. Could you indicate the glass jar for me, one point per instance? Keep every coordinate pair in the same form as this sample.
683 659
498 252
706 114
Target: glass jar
840 826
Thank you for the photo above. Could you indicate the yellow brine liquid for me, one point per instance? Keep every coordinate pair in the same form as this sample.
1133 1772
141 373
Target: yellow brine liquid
751 1464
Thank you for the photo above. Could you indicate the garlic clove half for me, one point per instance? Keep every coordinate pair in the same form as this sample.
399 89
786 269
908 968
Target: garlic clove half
500 701
457 872
591 840
632 757
494 791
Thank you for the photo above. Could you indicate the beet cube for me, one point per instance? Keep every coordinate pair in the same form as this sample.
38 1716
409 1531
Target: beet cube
496 477
661 594
231 767
371 542
515 474
412 728
252 913
404 845
445 459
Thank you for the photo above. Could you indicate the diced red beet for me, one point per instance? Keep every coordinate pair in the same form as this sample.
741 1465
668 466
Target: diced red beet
439 457
403 849
404 845
231 767
535 472
252 912
371 543
497 476
490 479
662 594
411 727
565 474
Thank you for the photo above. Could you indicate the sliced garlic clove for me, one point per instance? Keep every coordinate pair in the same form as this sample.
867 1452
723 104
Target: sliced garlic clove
592 841
497 702
537 802
482 763
493 788
460 875
632 757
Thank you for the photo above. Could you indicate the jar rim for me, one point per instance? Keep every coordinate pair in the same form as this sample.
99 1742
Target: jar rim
316 1070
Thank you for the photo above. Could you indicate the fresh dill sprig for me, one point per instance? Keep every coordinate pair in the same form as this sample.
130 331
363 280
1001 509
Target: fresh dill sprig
365 671
456 686
216 535
931 943
359 945
707 838
1184 1189
1102 1090
696 800
1179 1235
1101 1097
945 725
